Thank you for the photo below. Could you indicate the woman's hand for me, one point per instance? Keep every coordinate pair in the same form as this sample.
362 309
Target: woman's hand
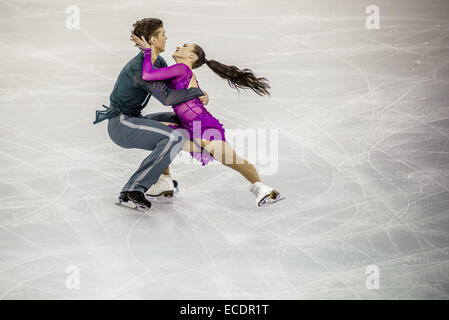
140 43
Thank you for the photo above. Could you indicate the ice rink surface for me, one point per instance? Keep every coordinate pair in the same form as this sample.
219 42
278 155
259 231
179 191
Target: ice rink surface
363 155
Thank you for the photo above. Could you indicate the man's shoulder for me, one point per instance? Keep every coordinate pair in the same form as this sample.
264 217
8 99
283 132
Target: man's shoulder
137 60
132 66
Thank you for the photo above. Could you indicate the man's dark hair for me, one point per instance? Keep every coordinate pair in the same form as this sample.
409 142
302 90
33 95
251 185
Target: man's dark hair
147 27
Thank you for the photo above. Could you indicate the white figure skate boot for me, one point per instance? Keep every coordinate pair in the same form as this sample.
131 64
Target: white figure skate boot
265 195
163 187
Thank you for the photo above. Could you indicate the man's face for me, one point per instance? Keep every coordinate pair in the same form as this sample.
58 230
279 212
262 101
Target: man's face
158 41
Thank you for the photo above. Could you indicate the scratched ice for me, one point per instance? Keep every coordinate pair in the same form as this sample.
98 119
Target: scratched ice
363 144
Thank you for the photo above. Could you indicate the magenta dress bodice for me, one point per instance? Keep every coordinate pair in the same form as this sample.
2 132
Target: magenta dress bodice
193 116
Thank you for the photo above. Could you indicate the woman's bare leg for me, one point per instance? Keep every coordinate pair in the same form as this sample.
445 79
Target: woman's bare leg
192 146
223 152
167 123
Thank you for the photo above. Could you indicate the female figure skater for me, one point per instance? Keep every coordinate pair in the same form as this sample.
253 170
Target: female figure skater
197 121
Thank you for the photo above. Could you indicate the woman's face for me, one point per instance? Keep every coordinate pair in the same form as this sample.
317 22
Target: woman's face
185 52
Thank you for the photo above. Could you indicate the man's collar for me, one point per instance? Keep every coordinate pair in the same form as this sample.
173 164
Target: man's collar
158 61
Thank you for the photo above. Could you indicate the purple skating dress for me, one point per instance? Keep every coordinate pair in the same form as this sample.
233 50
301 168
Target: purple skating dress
193 116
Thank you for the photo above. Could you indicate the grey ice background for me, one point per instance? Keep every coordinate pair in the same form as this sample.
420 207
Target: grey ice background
363 154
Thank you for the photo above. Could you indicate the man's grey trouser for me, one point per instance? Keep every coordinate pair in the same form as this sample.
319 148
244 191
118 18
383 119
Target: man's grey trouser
149 134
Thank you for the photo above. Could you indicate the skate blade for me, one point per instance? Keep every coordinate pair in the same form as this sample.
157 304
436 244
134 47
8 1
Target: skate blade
166 194
131 206
161 199
271 198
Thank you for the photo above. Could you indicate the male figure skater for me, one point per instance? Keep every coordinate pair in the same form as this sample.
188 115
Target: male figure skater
129 129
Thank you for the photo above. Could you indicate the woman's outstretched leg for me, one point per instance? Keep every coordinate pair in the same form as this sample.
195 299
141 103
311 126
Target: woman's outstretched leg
223 152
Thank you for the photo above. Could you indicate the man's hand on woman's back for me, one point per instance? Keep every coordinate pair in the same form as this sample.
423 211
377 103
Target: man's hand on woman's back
204 99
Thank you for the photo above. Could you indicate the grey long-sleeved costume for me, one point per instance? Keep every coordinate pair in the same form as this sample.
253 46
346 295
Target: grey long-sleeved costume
131 93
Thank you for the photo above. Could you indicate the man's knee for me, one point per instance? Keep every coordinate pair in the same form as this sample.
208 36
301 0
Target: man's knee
176 140
178 137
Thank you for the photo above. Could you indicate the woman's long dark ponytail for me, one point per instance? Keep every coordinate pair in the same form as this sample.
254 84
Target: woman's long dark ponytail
237 78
